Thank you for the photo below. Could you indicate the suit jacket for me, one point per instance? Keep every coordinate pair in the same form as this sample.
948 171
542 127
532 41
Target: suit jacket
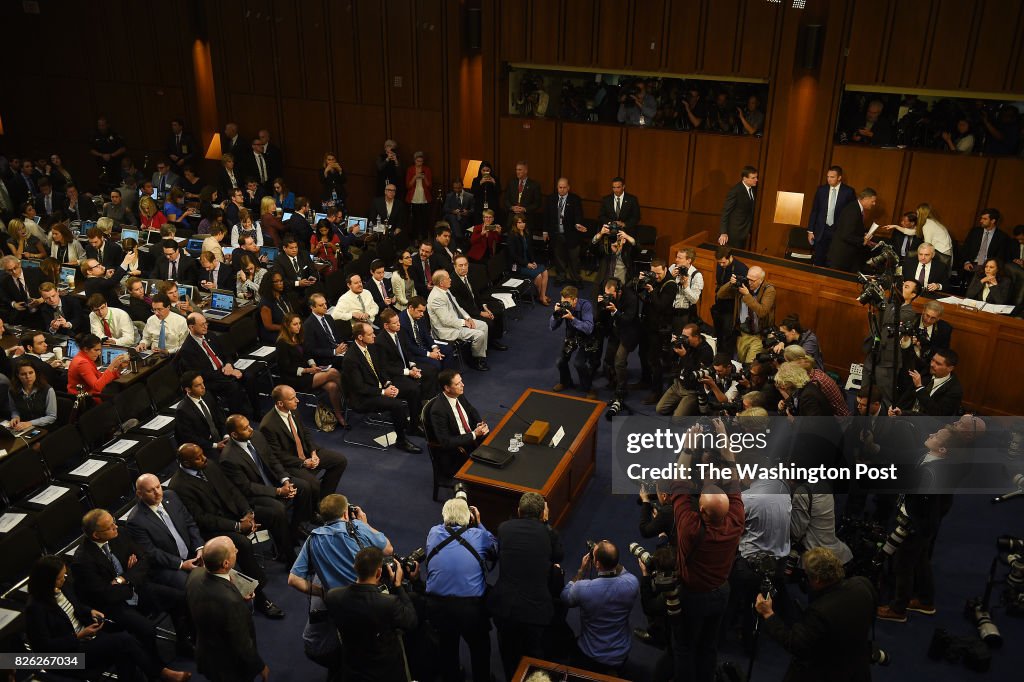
225 278
48 627
997 295
216 504
445 426
527 549
190 425
317 343
370 285
152 536
225 634
419 276
819 209
280 440
468 300
369 623
109 288
943 403
390 356
444 318
531 199
629 213
938 273
185 149
441 258
454 202
193 356
904 245
171 180
416 352
58 202
85 210
572 215
306 268
1002 246
224 186
73 311
235 147
360 379
241 470
9 290
738 214
94 573
113 254
188 269
847 250
399 217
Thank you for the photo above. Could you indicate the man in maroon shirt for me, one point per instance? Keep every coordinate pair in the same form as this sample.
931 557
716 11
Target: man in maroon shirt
709 523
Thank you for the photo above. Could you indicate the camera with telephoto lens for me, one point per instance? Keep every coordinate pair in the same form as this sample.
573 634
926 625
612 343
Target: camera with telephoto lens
691 378
459 492
871 292
896 537
879 656
1009 543
1015 578
645 278
976 615
663 575
407 562
742 281
911 329
774 337
561 309
614 407
765 565
606 303
882 257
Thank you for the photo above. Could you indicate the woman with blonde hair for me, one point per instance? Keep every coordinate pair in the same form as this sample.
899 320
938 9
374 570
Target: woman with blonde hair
269 222
151 217
21 244
934 232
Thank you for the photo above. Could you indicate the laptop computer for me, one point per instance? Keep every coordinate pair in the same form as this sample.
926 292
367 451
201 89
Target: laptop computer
186 292
130 233
72 349
286 217
83 230
270 252
67 275
194 246
360 223
108 353
317 217
222 304
29 263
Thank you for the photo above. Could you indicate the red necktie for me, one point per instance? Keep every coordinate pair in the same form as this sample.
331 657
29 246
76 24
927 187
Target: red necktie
426 270
462 417
106 328
213 356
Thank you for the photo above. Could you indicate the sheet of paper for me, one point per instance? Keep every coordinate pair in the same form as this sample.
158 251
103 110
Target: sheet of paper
244 363
557 438
261 352
243 583
157 423
950 300
506 299
49 495
872 229
513 282
997 309
6 617
88 467
120 446
9 520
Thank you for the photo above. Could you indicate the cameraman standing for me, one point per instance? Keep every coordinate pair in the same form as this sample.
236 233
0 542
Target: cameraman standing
694 353
578 316
459 552
657 293
753 310
690 283
623 306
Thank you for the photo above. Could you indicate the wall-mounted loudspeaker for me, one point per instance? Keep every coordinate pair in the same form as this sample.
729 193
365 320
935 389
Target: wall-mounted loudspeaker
810 46
474 28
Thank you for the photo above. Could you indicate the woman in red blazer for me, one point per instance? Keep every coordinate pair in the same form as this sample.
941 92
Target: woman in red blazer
418 188
83 370
484 239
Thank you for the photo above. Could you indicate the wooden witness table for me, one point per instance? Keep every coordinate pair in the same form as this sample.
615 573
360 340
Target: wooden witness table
559 474
557 671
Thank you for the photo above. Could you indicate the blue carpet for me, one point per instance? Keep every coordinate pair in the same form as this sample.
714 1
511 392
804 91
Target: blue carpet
394 489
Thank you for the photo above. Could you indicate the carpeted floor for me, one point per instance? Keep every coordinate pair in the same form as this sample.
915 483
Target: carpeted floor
394 489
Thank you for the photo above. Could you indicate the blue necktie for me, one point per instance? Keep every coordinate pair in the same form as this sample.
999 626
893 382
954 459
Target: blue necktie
119 569
182 547
327 328
260 466
162 342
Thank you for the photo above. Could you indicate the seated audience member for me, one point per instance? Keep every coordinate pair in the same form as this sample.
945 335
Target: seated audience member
163 332
64 246
118 211
220 508
214 274
470 297
605 601
56 620
245 227
79 208
150 216
297 267
282 504
322 335
326 246
485 238
83 370
166 533
21 244
33 348
289 442
380 287
131 264
139 305
33 401
458 210
370 387
112 325
444 251
390 211
869 127
413 381
402 285
800 396
450 322
252 195
174 205
275 305
284 198
930 273
454 423
198 418
18 288
1017 250
215 364
249 275
991 284
103 249
521 256
829 388
415 333
938 397
423 268
269 223
356 304
61 314
175 265
298 367
905 239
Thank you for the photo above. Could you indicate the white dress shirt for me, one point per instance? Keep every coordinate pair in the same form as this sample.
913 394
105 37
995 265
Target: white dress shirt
351 303
175 332
120 324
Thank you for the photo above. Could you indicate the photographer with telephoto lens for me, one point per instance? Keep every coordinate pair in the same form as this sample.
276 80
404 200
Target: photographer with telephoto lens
578 316
693 357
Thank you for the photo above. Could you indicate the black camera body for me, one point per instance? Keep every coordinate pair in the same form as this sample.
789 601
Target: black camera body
645 278
691 378
742 281
561 309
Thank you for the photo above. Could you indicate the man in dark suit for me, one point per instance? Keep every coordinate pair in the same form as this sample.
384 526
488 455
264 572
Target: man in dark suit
324 339
166 533
458 211
520 601
563 218
112 574
298 455
206 356
275 157
34 343
444 250
175 265
384 299
164 178
97 282
829 201
298 224
62 314
986 241
391 210
231 142
17 288
109 253
522 195
938 397
414 382
219 508
620 208
454 423
371 622
297 267
181 146
48 202
225 635
738 212
933 333
198 418
847 250
255 166
371 387
930 273
249 463
470 298
77 208
422 270
214 274
417 343
904 240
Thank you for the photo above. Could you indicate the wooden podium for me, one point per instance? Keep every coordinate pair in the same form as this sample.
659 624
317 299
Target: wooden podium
558 473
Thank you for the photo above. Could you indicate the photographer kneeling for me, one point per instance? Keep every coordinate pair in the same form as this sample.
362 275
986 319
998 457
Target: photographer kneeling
459 552
578 316
832 640
694 354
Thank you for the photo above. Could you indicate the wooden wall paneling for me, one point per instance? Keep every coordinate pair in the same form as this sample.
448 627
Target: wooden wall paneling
371 44
591 158
544 34
683 37
401 63
315 46
107 56
717 160
876 168
997 31
159 106
253 112
1004 351
260 28
361 192
578 33
126 116
648 35
723 16
344 50
612 32
420 130
288 16
306 132
234 51
948 44
908 42
430 55
1004 192
512 23
1017 84
171 21
951 183
531 140
656 168
671 225
361 131
758 37
866 41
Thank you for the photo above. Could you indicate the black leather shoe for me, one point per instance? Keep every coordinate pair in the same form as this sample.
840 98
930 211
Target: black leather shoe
497 345
480 365
269 609
408 446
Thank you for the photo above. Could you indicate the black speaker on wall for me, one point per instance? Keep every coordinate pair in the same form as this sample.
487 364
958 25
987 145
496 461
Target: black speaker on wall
474 28
810 46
